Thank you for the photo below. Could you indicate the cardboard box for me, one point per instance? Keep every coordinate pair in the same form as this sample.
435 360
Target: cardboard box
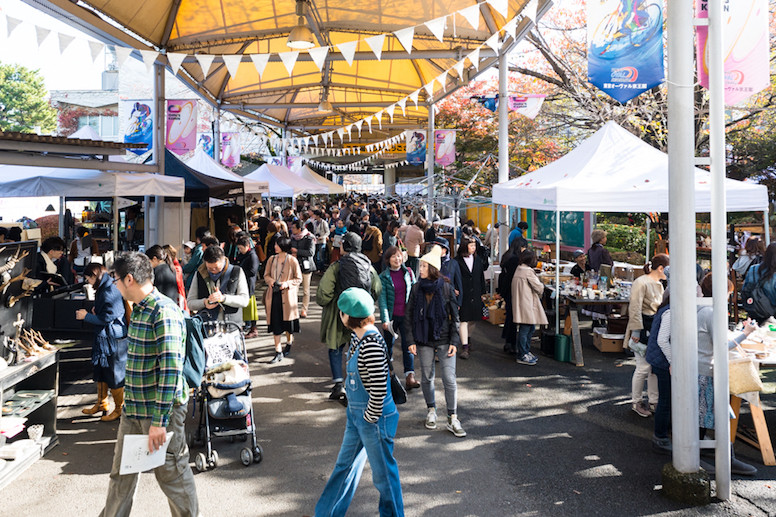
497 316
607 342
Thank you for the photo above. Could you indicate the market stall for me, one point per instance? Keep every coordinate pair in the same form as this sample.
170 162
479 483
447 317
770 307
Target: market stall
307 174
284 183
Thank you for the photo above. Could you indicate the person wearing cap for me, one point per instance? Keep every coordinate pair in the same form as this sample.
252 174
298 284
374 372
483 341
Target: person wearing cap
581 265
352 270
372 418
597 254
450 268
188 248
432 326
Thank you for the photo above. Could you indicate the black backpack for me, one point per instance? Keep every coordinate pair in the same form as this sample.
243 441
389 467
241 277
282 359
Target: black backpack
194 358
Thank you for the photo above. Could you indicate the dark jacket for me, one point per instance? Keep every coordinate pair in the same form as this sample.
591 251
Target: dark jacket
109 352
473 287
165 282
655 356
452 271
249 263
305 251
450 330
354 271
508 268
598 255
387 296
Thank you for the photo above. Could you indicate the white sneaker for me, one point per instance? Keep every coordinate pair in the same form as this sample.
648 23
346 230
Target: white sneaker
431 418
454 426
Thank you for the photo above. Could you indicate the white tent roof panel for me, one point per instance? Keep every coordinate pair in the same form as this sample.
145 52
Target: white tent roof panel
202 162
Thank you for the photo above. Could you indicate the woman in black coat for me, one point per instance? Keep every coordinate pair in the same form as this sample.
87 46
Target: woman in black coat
109 351
473 287
249 262
164 272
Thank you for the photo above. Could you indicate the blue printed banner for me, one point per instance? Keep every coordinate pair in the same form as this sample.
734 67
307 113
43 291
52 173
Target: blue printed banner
416 146
625 46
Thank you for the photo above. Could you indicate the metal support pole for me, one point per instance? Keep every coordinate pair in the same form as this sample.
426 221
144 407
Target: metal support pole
430 155
557 274
649 223
116 224
681 203
160 138
217 135
146 222
503 144
766 227
719 276
62 217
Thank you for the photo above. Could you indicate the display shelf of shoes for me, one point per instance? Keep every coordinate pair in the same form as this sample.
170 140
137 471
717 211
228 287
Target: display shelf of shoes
31 389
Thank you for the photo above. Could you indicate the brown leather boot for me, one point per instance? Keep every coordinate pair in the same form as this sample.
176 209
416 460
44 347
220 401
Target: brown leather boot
102 400
118 399
464 354
410 382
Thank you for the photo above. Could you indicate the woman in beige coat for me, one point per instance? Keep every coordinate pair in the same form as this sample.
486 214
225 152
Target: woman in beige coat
527 310
282 275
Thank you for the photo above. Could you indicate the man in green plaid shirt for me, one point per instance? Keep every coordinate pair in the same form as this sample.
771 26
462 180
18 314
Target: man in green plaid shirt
155 391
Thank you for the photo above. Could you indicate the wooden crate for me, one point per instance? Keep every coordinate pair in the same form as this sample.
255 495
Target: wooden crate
608 342
497 316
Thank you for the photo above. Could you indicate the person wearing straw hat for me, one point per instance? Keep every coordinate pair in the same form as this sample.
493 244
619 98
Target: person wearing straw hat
431 326
372 418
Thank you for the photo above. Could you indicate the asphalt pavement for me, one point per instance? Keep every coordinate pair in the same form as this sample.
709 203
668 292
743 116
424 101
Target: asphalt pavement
546 440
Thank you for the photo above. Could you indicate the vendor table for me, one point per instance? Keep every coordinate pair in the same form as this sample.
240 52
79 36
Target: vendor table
571 325
763 438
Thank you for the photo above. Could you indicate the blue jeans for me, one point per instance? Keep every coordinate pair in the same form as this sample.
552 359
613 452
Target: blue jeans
320 256
524 333
408 358
663 411
335 361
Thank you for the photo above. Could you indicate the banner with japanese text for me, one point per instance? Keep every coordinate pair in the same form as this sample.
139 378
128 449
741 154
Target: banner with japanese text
745 48
137 123
230 149
527 105
444 147
416 146
625 46
181 125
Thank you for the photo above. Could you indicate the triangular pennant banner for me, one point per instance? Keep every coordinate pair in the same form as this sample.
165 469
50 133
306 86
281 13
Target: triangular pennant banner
289 60
493 43
260 62
414 97
437 27
11 24
315 140
95 47
474 58
442 80
501 6
205 61
379 117
149 56
472 15
122 53
403 105
64 41
530 10
232 63
341 134
348 129
459 68
376 44
325 138
405 38
318 55
429 89
175 60
358 125
369 122
41 33
510 27
348 50
390 109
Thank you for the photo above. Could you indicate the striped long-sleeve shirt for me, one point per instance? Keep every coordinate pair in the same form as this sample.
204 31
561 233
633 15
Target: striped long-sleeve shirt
154 380
373 370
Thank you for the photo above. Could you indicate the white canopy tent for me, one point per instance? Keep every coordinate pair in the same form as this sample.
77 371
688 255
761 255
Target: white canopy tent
202 162
614 171
307 174
284 183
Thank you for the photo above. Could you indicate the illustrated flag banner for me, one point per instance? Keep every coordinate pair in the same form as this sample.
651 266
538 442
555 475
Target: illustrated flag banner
137 124
625 46
444 147
205 142
230 149
527 105
181 126
416 146
745 48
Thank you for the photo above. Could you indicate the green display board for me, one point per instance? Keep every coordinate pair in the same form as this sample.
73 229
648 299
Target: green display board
572 227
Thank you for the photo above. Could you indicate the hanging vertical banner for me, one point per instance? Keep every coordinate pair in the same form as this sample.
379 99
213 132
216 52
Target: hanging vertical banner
416 146
137 124
181 126
444 147
527 105
745 48
205 142
625 46
230 149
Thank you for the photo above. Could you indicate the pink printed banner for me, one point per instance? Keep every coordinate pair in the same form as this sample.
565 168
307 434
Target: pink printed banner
230 149
527 105
181 126
745 48
444 147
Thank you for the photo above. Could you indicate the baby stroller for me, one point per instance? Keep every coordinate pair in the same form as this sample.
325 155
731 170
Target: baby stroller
224 396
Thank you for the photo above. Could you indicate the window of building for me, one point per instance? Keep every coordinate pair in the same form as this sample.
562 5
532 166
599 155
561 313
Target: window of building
105 126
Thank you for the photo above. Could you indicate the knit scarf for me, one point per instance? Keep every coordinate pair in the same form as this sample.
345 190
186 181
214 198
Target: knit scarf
431 315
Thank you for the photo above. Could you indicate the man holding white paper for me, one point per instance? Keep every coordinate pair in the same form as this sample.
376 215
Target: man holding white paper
155 391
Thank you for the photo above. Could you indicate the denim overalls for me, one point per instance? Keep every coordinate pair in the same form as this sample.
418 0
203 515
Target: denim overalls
364 440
